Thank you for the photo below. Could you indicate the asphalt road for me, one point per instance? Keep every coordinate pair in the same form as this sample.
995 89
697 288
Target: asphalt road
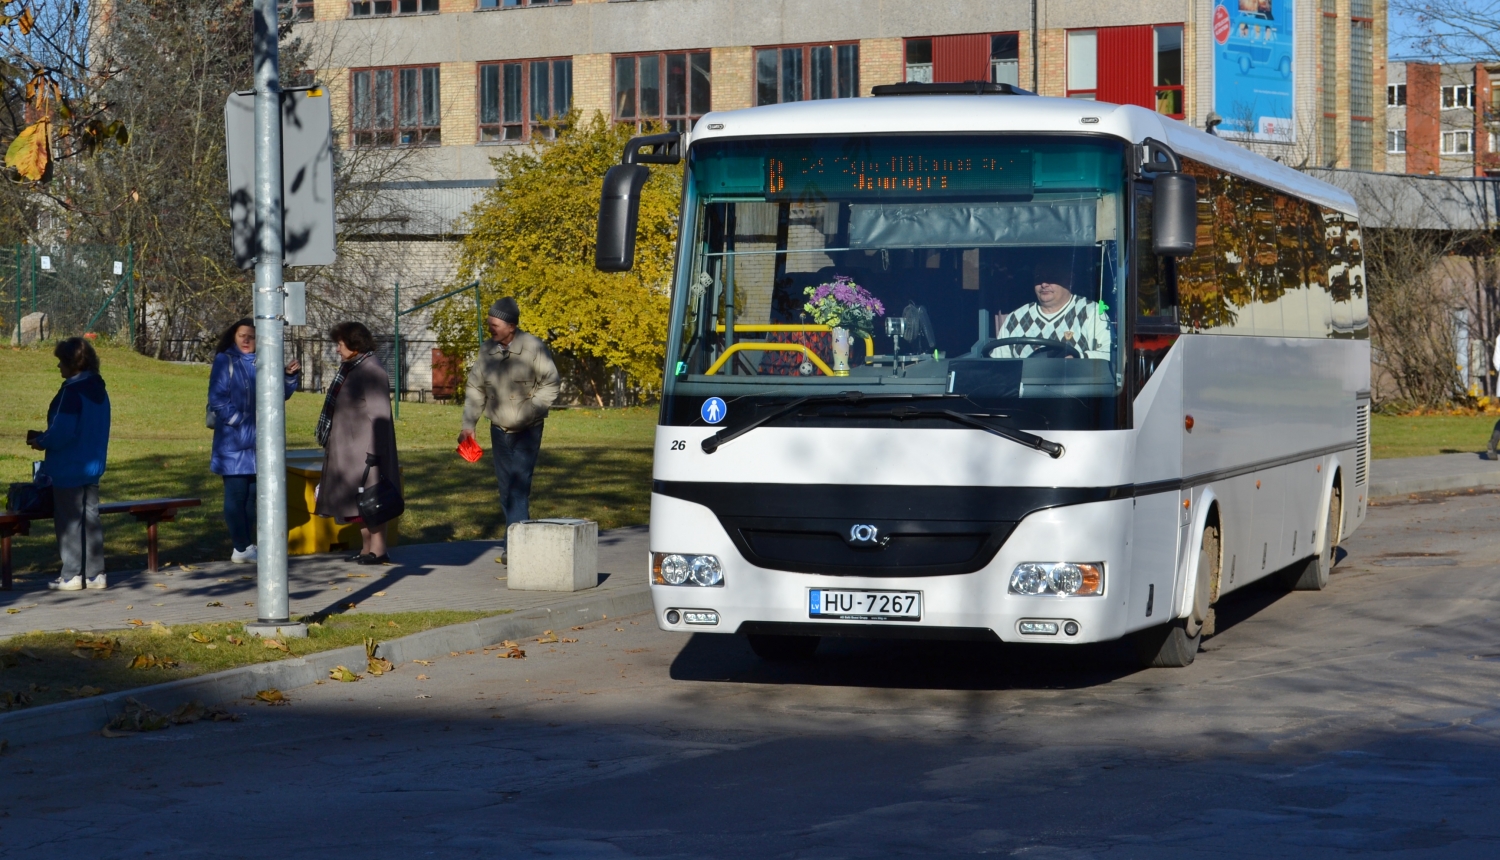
1362 719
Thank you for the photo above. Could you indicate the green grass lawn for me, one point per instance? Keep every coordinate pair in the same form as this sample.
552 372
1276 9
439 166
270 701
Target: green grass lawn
1423 435
595 463
43 668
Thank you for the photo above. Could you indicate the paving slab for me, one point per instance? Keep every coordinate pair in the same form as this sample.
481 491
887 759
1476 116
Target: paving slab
458 575
1406 475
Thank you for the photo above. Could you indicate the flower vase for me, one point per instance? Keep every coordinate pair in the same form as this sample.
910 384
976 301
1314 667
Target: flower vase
840 351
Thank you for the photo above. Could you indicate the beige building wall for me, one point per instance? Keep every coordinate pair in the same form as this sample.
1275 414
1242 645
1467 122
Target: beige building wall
734 78
591 85
1053 80
460 94
881 61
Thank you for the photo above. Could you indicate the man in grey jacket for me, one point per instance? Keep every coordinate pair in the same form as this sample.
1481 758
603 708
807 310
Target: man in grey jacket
513 383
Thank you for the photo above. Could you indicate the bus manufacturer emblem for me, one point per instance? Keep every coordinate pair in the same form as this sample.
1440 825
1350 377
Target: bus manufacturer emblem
863 534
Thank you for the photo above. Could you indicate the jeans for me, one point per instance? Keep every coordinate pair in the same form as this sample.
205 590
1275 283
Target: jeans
239 510
515 459
80 535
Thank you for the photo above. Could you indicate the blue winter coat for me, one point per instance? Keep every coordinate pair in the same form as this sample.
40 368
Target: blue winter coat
77 437
231 396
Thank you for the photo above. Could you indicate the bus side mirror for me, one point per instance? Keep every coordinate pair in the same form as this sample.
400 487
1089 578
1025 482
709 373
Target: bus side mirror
1174 216
619 210
620 201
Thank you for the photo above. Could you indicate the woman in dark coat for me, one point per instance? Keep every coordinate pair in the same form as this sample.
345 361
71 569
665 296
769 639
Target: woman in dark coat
355 423
231 399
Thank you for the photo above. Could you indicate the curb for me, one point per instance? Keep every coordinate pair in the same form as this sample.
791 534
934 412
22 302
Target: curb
63 719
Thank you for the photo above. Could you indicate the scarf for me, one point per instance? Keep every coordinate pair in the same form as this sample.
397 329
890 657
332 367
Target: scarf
325 418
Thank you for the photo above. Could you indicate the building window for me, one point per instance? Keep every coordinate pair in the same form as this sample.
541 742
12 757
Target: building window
519 100
672 89
1461 96
805 73
1361 87
1083 64
1395 140
382 8
1330 83
1005 59
299 10
395 107
1458 142
1169 98
919 61
1395 95
515 4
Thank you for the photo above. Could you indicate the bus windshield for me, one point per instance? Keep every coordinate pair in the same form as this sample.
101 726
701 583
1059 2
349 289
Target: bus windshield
985 270
984 267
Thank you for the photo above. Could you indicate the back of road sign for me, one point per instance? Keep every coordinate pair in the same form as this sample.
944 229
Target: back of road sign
306 177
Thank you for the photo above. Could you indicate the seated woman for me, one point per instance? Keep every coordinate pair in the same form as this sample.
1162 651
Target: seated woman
1057 315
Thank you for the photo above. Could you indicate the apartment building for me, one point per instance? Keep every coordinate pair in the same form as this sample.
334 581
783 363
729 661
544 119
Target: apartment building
461 79
1441 119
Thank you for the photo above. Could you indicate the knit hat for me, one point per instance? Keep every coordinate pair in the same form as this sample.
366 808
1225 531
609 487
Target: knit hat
506 309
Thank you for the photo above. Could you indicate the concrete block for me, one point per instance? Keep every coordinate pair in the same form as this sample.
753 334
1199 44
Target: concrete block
552 555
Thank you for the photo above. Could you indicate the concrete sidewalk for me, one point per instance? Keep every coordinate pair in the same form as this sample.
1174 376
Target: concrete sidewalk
1406 475
459 575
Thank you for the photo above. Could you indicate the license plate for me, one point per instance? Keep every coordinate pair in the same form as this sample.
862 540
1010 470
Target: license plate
849 605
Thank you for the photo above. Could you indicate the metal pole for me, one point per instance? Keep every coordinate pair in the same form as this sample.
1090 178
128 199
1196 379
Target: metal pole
1035 58
397 328
130 289
17 258
479 310
271 604
33 279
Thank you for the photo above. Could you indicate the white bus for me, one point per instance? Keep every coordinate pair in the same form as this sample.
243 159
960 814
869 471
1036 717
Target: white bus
1119 368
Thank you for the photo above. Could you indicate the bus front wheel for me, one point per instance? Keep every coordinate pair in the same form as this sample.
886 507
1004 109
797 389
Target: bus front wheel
782 649
1166 646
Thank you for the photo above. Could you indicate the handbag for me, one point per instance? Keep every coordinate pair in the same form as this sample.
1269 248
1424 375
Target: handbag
209 418
381 503
33 498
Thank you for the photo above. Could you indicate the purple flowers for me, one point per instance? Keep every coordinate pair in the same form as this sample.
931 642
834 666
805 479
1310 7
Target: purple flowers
843 304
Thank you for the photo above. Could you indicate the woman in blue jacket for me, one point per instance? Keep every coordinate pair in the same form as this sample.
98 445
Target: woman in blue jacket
77 442
231 399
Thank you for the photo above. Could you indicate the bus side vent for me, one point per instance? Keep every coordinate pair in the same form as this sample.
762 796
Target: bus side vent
1362 443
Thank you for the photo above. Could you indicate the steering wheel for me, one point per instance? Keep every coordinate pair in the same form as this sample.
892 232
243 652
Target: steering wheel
1042 344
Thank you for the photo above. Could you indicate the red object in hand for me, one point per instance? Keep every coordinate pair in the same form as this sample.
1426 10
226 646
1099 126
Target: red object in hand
470 450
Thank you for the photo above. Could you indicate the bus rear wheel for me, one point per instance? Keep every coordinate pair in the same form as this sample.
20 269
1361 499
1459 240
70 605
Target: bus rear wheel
782 649
1166 646
1312 575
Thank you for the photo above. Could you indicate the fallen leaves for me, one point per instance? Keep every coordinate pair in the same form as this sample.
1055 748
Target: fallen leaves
215 603
423 662
10 700
566 639
234 640
151 661
350 605
186 567
421 677
392 624
95 649
377 665
513 654
357 575
547 637
159 584
342 673
275 645
84 692
273 696
135 622
199 637
12 611
380 594
160 629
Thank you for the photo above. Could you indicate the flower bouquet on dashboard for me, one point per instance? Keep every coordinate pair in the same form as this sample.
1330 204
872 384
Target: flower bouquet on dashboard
846 308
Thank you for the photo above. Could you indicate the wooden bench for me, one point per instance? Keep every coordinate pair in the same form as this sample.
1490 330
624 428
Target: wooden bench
148 511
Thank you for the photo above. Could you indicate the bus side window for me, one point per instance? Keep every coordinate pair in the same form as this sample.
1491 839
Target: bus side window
1155 277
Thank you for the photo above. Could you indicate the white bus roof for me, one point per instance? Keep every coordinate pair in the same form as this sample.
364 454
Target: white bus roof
982 113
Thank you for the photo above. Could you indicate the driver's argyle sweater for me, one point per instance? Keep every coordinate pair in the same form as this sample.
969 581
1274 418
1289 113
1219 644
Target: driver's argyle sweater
1078 322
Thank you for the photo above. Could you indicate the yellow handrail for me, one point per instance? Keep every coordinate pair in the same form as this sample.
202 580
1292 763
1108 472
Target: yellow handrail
770 327
759 346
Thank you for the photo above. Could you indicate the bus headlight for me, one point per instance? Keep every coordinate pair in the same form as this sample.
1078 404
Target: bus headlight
1059 578
672 568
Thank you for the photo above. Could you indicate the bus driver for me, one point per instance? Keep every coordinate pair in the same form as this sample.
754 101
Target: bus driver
1057 315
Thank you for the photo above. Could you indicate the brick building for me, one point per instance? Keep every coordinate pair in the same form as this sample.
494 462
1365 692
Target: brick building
459 78
1441 119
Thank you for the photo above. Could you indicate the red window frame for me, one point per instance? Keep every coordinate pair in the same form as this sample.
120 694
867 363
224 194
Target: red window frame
420 132
504 128
948 54
629 104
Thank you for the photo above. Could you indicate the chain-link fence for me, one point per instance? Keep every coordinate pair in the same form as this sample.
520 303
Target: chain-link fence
53 291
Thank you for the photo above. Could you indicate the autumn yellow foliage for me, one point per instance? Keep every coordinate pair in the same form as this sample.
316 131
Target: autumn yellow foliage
533 236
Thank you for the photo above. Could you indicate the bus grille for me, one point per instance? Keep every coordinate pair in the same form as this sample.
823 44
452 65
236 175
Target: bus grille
1362 443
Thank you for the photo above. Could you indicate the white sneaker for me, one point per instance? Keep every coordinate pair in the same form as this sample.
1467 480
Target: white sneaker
97 582
60 584
249 556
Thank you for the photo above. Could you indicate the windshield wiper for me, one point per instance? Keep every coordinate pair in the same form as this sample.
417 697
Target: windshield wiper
728 434
1020 437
